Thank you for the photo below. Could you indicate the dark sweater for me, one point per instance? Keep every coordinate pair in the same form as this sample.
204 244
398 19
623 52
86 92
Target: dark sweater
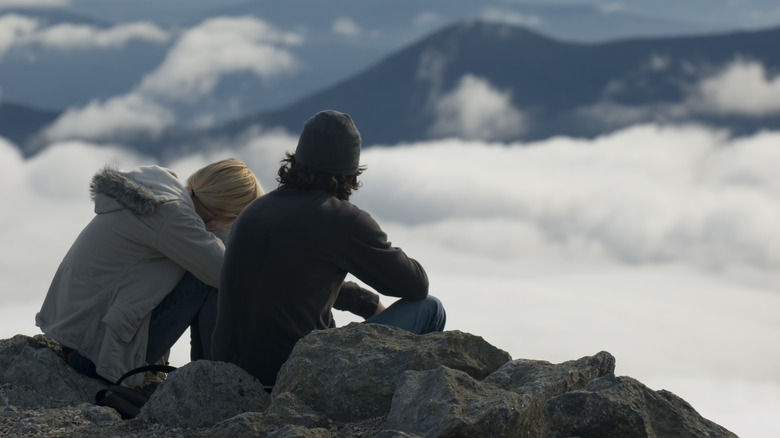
284 270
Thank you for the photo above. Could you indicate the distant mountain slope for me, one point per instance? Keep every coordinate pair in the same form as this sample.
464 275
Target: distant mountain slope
498 82
19 123
54 15
556 88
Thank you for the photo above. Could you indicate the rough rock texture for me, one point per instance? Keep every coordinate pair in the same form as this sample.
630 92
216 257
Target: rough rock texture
225 388
334 372
508 403
621 405
449 384
32 375
447 402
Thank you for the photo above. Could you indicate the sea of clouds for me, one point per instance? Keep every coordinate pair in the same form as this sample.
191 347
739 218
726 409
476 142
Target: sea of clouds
657 244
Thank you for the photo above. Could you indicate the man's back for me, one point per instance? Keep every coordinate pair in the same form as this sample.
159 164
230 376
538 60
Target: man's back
285 266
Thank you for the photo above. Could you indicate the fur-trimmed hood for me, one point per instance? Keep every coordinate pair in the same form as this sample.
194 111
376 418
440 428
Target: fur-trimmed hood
140 190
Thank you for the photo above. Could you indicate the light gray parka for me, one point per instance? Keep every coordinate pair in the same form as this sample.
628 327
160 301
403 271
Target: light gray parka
144 237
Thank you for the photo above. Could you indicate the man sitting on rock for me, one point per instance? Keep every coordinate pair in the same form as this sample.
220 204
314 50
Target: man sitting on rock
291 250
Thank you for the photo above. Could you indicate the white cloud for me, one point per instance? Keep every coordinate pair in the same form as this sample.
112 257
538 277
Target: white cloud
218 47
611 7
19 30
190 71
659 62
128 114
476 110
75 36
345 26
508 16
743 87
426 18
657 243
15 29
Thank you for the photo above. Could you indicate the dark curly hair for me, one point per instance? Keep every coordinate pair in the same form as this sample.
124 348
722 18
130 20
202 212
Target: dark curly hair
301 177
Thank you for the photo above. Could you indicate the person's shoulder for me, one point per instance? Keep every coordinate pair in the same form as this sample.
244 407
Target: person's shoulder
344 205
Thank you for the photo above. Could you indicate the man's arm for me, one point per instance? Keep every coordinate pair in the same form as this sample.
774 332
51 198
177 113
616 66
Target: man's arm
355 299
383 267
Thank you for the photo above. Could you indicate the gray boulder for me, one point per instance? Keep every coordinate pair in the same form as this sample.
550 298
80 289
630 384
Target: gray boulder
203 393
508 403
284 412
622 406
33 374
350 373
447 402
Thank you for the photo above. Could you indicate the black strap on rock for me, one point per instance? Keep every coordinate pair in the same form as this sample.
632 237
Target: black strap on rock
143 369
128 401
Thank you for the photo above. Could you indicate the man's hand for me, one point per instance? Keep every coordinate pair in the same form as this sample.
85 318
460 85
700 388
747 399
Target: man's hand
379 308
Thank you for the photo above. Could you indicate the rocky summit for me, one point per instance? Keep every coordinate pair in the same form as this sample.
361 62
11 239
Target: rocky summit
362 380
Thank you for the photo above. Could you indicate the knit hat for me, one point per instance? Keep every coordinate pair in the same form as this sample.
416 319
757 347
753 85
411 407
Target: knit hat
330 143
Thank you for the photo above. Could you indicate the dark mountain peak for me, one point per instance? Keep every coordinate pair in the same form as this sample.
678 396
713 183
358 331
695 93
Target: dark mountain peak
482 34
546 84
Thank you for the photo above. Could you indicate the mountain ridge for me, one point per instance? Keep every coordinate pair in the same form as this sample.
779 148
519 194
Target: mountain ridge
498 82
519 56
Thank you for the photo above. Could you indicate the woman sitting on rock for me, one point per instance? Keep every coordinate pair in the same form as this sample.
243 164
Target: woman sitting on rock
146 267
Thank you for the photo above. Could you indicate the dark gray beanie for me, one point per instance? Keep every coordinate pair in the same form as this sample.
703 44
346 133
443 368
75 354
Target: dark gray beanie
329 142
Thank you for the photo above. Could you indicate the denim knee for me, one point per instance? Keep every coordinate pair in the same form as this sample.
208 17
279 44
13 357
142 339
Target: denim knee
438 316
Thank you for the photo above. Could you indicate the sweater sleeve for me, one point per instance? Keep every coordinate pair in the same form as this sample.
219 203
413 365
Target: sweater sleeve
183 238
383 267
355 299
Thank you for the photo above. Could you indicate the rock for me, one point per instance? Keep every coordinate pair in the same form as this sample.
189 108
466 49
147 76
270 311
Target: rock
508 403
358 381
284 410
536 381
395 434
622 406
203 393
55 421
447 402
350 373
543 379
253 425
33 374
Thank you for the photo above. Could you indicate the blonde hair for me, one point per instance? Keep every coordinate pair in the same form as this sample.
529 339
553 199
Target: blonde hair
222 189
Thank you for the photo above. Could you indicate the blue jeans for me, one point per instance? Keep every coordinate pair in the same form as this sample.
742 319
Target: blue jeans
191 303
419 317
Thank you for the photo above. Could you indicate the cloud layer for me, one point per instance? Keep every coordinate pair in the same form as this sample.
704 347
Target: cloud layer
19 30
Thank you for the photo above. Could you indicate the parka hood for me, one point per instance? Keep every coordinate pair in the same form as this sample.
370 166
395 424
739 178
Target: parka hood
140 190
